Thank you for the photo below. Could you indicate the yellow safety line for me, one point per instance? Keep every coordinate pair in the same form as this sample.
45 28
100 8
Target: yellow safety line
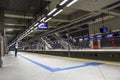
83 60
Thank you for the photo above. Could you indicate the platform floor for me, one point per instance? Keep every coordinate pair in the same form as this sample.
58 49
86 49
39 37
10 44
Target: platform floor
30 66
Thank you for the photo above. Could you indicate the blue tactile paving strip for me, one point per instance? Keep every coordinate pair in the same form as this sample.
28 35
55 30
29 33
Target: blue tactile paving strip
60 69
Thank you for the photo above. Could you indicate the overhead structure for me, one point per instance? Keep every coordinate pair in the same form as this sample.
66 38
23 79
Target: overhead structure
53 13
61 17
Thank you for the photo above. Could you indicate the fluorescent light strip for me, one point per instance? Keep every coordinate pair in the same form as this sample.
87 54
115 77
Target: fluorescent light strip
23 36
52 11
72 3
58 12
31 31
26 35
63 2
48 19
36 28
28 31
31 28
43 19
36 24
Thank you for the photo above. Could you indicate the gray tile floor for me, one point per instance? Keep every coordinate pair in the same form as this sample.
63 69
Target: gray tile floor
30 66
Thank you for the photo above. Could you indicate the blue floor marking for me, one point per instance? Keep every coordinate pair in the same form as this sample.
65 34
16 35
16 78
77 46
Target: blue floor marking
60 69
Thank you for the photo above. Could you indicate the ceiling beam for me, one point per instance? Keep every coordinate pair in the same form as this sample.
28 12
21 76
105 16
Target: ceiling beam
77 15
13 14
14 22
10 35
18 16
61 18
100 19
12 29
52 24
112 13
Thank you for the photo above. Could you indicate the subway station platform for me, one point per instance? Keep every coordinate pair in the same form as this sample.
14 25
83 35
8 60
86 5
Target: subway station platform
31 66
60 39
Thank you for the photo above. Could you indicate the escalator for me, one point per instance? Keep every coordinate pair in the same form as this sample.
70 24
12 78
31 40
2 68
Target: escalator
47 45
64 42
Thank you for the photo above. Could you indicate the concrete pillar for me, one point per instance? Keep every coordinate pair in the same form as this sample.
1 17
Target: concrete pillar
91 44
1 33
2 46
6 50
0 52
99 44
1 21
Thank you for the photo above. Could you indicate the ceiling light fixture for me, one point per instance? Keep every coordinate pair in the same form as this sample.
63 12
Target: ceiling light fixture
28 31
31 28
52 11
63 2
48 19
31 31
42 19
36 24
36 28
72 3
58 12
